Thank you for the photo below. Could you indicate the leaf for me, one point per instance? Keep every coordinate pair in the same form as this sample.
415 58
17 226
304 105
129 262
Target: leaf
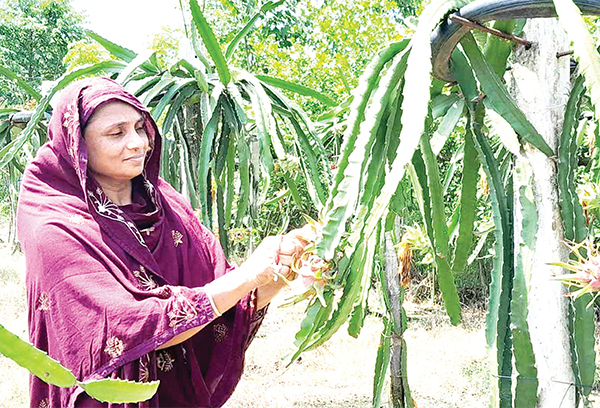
499 99
341 206
527 382
175 107
267 6
133 65
360 265
313 320
168 97
582 325
211 43
468 204
357 318
441 103
418 178
265 123
297 88
583 46
360 99
36 361
119 391
120 52
204 162
382 362
19 81
497 50
201 80
244 176
447 125
584 342
414 105
312 156
571 212
440 231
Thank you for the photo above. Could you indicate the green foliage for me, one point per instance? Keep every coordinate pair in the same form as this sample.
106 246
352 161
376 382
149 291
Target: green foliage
52 372
320 45
85 52
382 362
440 231
584 47
527 382
34 39
582 325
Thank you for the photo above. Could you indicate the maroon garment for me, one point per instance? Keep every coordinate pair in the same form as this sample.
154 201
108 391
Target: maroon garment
107 285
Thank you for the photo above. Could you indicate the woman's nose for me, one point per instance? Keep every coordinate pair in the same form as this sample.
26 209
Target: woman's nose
136 140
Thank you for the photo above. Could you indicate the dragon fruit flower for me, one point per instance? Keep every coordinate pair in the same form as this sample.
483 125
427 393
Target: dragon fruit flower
586 270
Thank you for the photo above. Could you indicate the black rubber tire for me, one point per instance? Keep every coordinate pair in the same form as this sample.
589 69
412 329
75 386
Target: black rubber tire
448 33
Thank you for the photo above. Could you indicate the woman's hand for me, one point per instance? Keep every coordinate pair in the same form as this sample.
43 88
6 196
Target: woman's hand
275 254
284 247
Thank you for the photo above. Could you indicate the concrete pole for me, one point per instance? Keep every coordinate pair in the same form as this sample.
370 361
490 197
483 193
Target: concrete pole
540 83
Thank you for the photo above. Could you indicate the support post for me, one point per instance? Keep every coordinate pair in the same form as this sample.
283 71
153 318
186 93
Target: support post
540 84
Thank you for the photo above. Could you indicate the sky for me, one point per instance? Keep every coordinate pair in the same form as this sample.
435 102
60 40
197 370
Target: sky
129 23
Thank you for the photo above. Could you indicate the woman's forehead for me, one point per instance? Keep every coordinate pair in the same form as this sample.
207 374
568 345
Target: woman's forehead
113 112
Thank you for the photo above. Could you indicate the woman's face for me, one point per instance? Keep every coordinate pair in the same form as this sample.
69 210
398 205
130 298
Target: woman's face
116 142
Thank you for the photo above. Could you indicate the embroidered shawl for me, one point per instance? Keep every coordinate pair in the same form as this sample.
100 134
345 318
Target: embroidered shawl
106 285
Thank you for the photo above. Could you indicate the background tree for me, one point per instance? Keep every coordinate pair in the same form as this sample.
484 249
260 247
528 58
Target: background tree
34 38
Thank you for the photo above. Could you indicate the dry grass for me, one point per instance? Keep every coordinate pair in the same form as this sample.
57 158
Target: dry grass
13 316
446 366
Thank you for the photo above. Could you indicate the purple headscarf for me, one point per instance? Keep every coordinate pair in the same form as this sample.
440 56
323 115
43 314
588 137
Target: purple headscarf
107 285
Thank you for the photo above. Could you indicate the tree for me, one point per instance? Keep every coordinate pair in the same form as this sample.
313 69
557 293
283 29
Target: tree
34 39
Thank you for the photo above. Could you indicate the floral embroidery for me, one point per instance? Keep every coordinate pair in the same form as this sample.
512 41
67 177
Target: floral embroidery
71 123
149 187
43 302
45 403
70 117
182 311
145 281
114 347
148 230
76 219
108 209
152 194
164 361
220 332
144 370
177 238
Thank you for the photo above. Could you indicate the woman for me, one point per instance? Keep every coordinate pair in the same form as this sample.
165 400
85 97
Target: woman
122 279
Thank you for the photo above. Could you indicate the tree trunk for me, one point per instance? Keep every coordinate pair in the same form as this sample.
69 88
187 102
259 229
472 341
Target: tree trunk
540 83
399 387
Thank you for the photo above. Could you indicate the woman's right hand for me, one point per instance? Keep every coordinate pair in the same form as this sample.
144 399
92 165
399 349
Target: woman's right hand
275 254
